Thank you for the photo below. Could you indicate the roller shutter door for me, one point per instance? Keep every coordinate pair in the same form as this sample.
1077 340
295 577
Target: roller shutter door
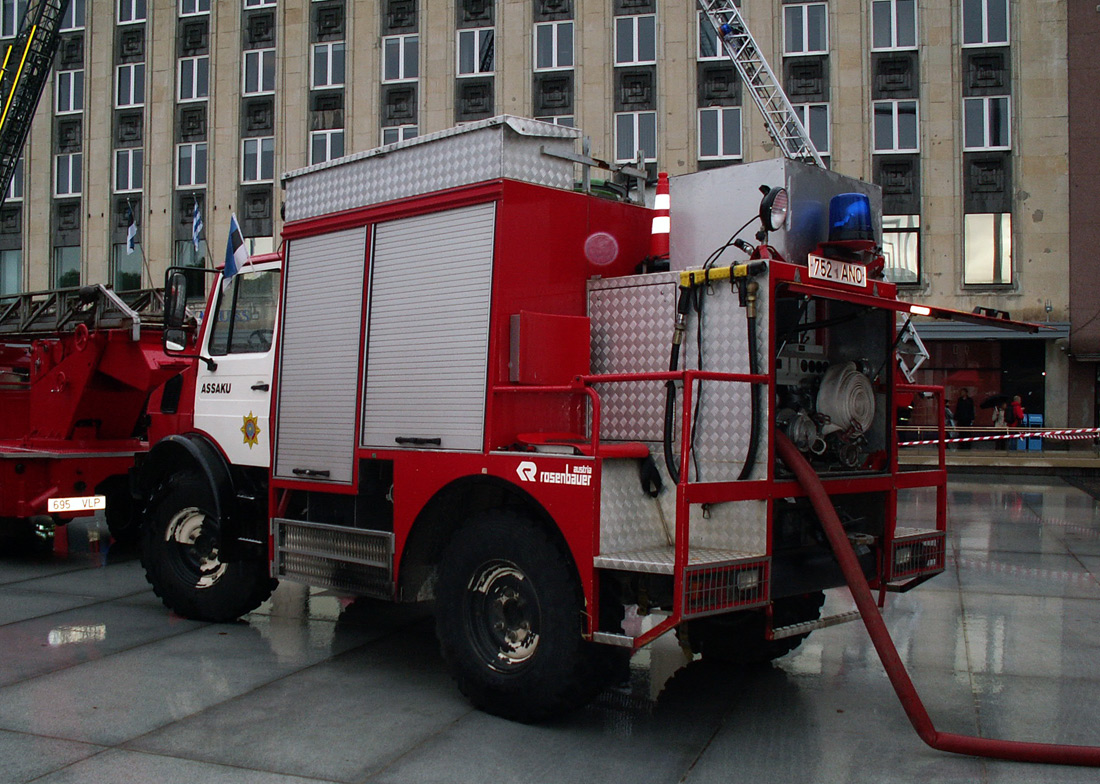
428 335
319 356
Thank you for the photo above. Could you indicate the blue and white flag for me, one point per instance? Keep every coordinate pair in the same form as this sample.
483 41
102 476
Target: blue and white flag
196 225
131 232
236 252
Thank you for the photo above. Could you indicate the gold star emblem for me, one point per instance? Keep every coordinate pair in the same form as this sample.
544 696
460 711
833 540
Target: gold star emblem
251 430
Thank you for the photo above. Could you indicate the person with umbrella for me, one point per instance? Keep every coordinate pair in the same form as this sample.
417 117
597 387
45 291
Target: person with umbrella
998 404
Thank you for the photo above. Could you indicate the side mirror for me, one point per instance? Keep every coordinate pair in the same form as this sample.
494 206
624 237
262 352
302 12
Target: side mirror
175 303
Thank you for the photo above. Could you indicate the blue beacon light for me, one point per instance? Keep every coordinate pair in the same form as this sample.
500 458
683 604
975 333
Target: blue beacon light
850 218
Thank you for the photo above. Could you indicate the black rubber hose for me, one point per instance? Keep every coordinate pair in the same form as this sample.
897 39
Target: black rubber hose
682 308
754 399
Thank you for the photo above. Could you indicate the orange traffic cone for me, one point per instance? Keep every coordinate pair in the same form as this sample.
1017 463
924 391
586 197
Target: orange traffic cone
658 239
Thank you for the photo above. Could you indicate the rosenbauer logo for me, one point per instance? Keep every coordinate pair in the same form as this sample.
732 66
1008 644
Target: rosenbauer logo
580 475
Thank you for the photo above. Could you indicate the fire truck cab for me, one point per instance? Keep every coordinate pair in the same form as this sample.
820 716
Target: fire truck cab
489 394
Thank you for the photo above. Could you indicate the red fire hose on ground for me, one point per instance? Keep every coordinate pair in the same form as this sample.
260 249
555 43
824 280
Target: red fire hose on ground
1018 751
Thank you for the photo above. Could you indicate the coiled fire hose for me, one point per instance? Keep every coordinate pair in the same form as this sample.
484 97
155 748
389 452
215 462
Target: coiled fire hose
1017 751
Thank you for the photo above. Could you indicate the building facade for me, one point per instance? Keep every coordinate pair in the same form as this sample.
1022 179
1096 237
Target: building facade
958 109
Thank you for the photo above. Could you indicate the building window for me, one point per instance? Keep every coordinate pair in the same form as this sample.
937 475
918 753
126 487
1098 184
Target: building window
475 51
805 28
66 267
11 16
986 123
985 22
259 71
74 16
636 40
328 65
987 241
193 7
894 24
325 145
68 175
128 169
188 256
720 133
69 92
710 48
257 3
553 45
191 165
131 11
400 58
194 79
126 267
258 159
398 133
11 271
564 120
635 131
815 119
901 248
15 186
896 126
130 85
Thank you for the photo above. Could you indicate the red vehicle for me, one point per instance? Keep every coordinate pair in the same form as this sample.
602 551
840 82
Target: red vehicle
489 393
77 367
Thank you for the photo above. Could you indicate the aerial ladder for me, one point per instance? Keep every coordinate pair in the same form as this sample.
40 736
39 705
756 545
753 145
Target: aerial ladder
23 76
780 118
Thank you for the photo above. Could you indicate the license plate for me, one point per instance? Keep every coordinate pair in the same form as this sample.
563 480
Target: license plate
838 271
86 503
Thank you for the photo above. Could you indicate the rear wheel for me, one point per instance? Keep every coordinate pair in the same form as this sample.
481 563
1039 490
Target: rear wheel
738 638
509 616
180 555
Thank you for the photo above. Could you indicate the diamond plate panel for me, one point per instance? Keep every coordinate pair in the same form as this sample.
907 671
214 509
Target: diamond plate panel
631 521
500 147
632 323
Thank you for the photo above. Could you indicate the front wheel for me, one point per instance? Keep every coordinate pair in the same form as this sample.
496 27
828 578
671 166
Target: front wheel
509 617
180 555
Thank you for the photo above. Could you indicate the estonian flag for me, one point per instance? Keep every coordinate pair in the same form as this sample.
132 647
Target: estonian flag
196 225
236 252
131 232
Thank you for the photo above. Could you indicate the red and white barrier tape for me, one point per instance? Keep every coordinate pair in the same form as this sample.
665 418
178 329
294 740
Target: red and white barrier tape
1074 434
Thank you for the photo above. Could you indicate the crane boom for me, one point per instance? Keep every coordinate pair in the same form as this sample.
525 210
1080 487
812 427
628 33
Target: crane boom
782 122
23 75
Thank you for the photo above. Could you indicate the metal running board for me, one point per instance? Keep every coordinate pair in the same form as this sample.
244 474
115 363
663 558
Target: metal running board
808 626
661 560
780 118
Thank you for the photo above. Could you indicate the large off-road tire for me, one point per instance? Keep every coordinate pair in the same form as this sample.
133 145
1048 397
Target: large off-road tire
509 617
738 637
179 550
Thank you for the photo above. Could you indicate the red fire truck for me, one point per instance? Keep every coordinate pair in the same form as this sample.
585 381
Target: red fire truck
489 392
76 369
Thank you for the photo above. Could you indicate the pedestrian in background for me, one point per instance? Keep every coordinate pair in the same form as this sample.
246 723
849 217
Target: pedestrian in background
964 415
999 422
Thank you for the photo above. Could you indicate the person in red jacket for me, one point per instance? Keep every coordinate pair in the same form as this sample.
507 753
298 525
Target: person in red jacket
1015 412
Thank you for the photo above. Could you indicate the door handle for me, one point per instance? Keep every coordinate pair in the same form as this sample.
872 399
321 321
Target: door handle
261 386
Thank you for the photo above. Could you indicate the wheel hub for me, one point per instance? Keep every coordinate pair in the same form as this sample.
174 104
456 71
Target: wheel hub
502 616
196 547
